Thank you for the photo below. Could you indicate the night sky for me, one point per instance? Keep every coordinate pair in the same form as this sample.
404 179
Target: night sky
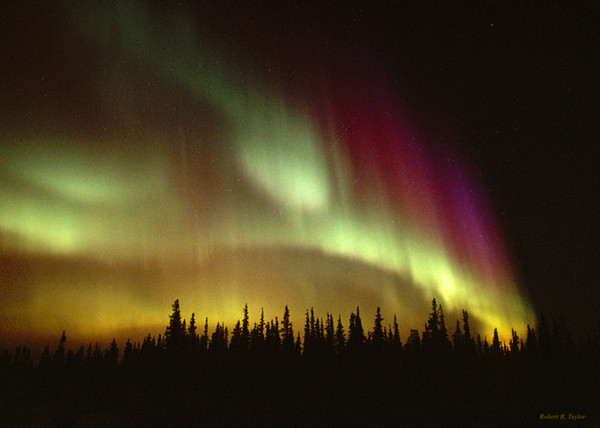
309 156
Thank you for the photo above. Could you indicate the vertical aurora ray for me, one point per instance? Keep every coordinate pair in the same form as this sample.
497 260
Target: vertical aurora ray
327 200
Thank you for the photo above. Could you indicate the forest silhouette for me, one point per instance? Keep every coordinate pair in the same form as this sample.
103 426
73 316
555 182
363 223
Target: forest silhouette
325 373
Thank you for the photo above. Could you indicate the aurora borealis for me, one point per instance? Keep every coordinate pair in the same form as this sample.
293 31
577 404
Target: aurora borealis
150 155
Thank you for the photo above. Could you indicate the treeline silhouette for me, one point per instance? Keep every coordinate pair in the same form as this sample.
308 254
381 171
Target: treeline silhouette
320 374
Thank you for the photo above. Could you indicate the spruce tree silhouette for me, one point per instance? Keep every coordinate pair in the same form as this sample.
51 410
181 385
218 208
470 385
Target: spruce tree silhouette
245 334
308 342
496 351
413 343
378 337
128 357
287 333
514 343
396 337
45 358
272 339
329 332
457 338
112 354
175 333
298 345
531 341
237 345
204 338
191 331
467 341
356 334
218 342
435 337
327 382
431 334
59 355
444 342
340 338
257 335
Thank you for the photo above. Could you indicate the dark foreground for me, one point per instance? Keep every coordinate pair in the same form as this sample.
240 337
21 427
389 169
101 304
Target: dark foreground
267 376
353 391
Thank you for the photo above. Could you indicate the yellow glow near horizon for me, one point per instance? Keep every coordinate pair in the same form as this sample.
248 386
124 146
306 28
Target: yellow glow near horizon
256 203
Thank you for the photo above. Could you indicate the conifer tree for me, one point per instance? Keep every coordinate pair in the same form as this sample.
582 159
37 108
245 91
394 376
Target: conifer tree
457 338
175 333
467 339
236 344
272 338
531 340
255 342
59 355
113 353
128 353
396 338
261 325
312 333
435 337
298 345
514 343
45 359
321 331
88 353
97 355
287 333
444 342
257 335
378 337
275 333
307 334
413 342
192 329
245 342
204 339
356 334
340 339
433 323
148 346
218 343
22 355
69 360
329 331
495 343
25 361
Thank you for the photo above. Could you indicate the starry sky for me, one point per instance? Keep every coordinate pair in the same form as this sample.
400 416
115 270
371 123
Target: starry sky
320 156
